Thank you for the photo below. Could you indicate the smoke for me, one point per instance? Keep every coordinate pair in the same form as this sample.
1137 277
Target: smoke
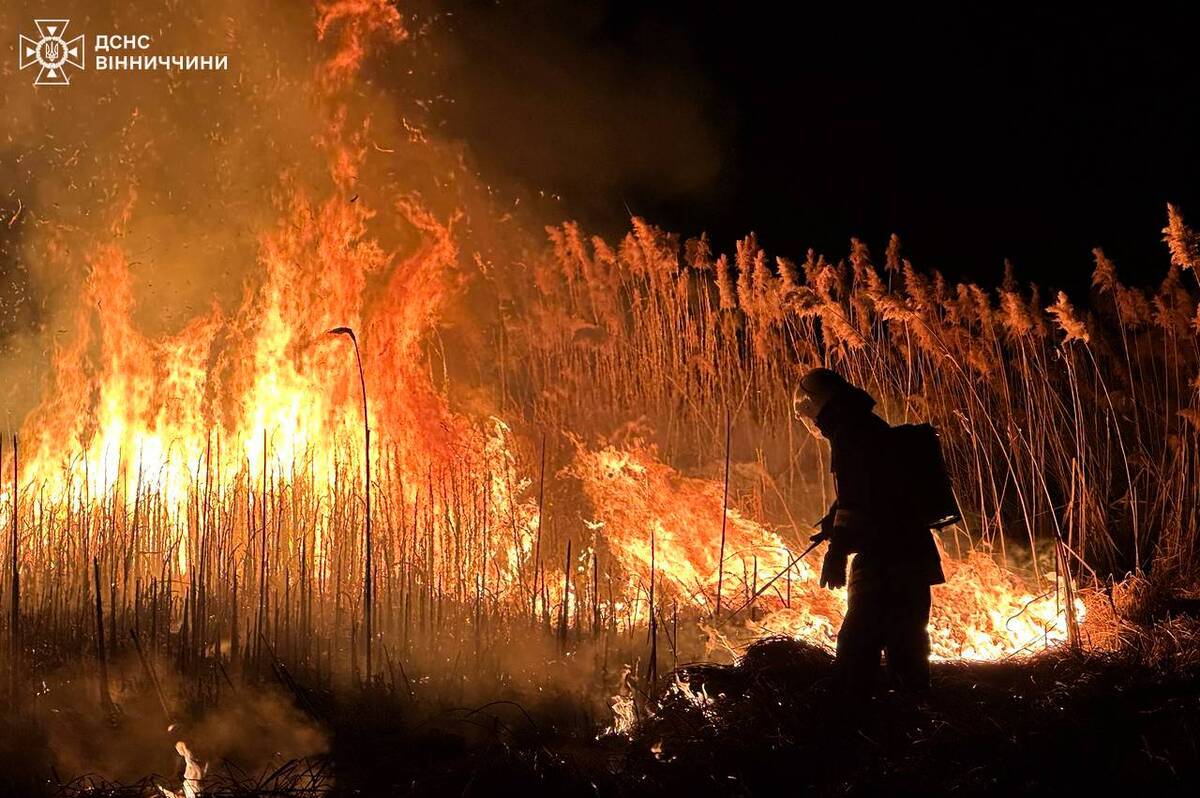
568 107
176 168
252 729
186 171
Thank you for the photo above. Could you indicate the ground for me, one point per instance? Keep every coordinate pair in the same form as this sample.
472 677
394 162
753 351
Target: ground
1061 722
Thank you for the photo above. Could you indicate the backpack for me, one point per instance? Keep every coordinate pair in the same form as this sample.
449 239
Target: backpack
923 484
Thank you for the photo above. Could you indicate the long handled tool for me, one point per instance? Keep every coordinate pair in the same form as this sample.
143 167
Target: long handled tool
789 567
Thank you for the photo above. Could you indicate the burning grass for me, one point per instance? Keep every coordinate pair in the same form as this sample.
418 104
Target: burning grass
233 561
580 469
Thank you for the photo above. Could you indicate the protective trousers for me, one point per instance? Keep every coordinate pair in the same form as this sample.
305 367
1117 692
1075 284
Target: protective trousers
886 612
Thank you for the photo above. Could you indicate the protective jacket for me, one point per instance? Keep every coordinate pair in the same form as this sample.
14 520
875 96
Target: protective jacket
867 519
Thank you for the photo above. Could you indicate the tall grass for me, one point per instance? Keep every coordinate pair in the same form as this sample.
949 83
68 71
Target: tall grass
1068 424
1067 428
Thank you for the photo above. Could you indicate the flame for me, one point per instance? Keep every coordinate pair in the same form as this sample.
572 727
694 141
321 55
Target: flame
193 774
259 391
652 514
247 422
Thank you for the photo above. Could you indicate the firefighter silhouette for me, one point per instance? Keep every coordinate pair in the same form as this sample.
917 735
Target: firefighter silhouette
892 489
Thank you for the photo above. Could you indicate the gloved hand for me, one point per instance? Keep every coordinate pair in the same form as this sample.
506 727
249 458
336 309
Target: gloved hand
833 568
826 526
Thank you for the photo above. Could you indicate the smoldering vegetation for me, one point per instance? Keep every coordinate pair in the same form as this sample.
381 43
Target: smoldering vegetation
1119 719
1068 720
69 741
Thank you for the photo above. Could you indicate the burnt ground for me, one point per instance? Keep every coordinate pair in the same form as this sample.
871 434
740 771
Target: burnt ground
1055 724
1063 723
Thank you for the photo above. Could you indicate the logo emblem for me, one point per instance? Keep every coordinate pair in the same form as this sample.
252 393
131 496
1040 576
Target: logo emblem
52 52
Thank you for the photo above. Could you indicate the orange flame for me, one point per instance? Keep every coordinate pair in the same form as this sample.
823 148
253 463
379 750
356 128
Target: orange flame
260 393
982 612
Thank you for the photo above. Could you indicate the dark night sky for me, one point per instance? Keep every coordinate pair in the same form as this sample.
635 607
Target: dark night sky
975 134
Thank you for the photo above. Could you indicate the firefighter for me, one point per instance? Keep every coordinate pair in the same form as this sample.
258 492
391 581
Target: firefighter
896 559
